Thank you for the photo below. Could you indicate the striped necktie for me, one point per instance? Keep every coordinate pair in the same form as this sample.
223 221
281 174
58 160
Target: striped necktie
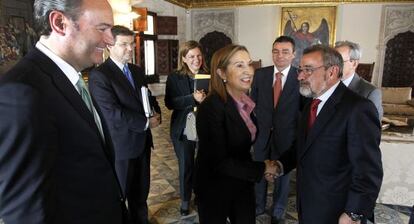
86 97
128 75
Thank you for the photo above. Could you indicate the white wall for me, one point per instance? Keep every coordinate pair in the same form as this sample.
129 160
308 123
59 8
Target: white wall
258 26
257 29
360 23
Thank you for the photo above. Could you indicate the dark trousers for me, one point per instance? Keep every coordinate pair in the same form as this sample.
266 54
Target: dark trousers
185 151
280 196
412 216
216 209
134 176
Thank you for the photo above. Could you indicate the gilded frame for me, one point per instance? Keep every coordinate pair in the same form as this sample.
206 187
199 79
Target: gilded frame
308 25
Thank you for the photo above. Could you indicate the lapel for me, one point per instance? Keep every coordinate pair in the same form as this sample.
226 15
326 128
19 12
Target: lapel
231 110
119 75
64 86
289 87
324 116
266 85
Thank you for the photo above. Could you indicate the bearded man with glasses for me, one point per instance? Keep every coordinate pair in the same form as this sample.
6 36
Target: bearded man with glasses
337 155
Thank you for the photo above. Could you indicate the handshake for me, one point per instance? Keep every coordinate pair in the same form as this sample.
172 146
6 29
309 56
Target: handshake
272 170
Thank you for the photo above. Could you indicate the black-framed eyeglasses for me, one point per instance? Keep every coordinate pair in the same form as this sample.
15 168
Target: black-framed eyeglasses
309 70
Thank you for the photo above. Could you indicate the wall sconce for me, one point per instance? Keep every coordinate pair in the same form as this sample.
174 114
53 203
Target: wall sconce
140 23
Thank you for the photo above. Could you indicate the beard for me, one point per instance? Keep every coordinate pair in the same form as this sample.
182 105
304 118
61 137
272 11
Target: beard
305 89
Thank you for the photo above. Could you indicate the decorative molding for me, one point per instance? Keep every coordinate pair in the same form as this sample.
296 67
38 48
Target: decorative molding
395 19
188 4
206 21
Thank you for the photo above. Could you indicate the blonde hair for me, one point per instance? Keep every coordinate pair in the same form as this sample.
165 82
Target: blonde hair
220 60
183 51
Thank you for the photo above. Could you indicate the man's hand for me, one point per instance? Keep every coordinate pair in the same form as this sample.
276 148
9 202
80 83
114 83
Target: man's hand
345 219
155 120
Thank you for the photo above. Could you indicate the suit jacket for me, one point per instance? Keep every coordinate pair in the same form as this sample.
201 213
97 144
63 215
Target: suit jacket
122 107
277 126
179 98
53 160
369 91
224 166
339 161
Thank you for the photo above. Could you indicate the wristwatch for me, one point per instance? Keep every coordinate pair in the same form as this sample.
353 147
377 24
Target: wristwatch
354 216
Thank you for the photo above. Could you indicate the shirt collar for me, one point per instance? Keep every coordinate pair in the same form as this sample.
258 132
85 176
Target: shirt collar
245 103
325 96
285 71
66 68
119 64
348 80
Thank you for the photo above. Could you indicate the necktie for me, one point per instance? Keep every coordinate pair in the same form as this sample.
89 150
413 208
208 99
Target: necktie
312 112
86 97
128 75
277 88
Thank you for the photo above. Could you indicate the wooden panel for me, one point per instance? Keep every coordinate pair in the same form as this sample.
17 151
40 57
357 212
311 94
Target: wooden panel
365 70
166 25
166 56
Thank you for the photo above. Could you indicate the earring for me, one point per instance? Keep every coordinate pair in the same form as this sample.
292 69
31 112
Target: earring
224 80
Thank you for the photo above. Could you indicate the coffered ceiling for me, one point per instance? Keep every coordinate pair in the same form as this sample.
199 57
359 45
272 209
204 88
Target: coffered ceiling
233 3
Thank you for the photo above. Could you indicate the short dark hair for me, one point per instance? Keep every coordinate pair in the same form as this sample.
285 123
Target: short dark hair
121 30
330 56
285 39
43 8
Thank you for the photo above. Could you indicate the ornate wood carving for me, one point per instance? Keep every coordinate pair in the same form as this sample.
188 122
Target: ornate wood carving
396 19
166 56
399 61
166 25
213 41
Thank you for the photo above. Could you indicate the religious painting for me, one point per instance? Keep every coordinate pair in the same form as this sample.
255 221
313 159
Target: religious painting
308 26
17 35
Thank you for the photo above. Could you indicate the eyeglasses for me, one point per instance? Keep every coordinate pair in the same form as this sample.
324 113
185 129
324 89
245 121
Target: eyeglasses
309 70
124 45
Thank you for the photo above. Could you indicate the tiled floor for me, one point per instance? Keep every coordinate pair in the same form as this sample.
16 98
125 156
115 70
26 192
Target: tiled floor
164 199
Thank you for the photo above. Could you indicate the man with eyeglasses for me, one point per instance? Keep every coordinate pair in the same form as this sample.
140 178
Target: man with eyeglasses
337 155
120 90
275 90
351 54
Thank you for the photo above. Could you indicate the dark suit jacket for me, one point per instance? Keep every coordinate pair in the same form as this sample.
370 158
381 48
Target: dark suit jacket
277 127
367 90
122 107
224 166
54 165
179 98
339 161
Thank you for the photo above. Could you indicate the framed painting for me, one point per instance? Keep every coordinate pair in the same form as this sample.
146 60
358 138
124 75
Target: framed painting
308 26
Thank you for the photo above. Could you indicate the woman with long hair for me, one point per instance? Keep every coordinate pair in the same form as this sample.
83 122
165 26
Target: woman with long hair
181 97
225 171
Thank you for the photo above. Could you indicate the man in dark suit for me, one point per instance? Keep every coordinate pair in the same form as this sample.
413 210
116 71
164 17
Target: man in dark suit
122 95
56 156
351 54
277 111
337 156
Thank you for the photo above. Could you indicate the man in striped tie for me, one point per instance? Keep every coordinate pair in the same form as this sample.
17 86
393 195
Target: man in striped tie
120 91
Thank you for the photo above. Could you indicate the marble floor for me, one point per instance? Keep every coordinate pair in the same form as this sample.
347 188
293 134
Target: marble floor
164 198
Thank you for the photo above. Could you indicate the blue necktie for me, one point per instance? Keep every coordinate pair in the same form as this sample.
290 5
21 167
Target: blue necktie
128 75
